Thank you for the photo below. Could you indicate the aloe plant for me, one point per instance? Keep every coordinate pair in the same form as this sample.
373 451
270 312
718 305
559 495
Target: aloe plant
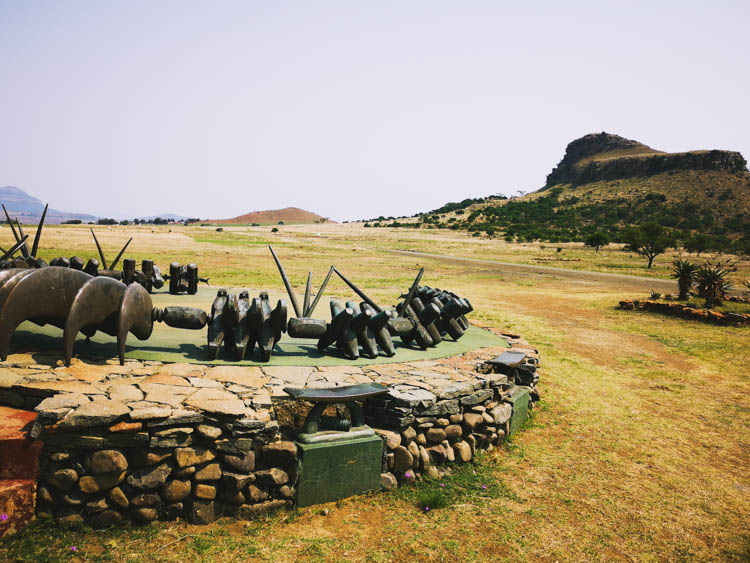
713 281
684 271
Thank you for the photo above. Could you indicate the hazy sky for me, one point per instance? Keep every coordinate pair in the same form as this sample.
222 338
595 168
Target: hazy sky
349 109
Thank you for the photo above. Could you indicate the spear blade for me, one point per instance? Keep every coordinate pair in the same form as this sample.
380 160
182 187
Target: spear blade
117 259
99 248
38 234
308 289
359 292
285 279
320 293
24 248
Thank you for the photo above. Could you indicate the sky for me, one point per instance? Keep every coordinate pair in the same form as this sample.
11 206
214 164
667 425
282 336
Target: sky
349 109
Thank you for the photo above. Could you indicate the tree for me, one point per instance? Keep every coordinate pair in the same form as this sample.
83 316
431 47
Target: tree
697 243
684 272
713 282
649 240
597 240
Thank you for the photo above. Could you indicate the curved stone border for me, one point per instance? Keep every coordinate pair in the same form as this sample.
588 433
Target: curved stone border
146 441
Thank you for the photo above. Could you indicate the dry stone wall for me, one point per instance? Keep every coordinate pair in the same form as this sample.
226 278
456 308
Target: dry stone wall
147 441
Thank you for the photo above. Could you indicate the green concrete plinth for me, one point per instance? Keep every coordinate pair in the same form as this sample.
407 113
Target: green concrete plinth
519 398
333 470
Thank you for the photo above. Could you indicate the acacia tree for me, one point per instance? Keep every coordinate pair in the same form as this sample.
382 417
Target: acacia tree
597 240
649 240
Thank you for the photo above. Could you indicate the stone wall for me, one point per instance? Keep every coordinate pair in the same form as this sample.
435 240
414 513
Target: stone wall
146 441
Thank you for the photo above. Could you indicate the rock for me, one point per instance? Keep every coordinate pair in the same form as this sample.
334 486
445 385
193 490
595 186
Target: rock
145 499
206 492
106 461
487 418
97 505
62 401
45 494
392 439
255 494
408 434
501 414
184 473
456 418
124 393
421 439
60 456
178 417
235 498
472 441
202 512
450 455
144 456
402 459
150 413
250 511
471 421
235 482
74 497
442 422
388 481
68 519
96 483
453 432
149 477
414 449
145 514
424 458
389 460
105 518
435 435
175 490
234 446
479 409
207 431
63 479
126 427
280 454
193 456
119 498
273 476
286 491
432 472
462 451
175 440
210 472
242 463
216 401
500 438
94 413
437 454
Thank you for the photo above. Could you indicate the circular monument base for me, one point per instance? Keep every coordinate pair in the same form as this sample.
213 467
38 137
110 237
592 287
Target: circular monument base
150 439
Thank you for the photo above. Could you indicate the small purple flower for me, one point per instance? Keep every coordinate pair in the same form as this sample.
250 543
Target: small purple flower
442 484
426 508
73 548
407 474
484 487
3 517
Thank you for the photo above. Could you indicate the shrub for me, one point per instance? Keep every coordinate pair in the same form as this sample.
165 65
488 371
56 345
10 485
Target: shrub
713 282
684 272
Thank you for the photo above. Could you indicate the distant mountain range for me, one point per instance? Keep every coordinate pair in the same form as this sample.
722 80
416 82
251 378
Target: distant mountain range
28 209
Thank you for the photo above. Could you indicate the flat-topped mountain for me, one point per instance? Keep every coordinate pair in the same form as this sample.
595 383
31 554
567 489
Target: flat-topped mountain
602 156
274 216
28 209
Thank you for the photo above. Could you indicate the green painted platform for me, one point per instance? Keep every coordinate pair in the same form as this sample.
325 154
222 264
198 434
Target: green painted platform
189 346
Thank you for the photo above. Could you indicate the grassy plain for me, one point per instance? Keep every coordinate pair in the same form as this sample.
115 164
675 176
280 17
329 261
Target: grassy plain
639 449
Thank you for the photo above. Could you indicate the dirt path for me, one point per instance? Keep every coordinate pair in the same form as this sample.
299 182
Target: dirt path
635 283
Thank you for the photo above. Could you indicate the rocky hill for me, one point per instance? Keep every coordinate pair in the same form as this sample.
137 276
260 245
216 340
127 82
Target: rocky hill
602 156
287 215
608 183
28 209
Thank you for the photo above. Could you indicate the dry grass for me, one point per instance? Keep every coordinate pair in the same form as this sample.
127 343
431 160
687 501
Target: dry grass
639 451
